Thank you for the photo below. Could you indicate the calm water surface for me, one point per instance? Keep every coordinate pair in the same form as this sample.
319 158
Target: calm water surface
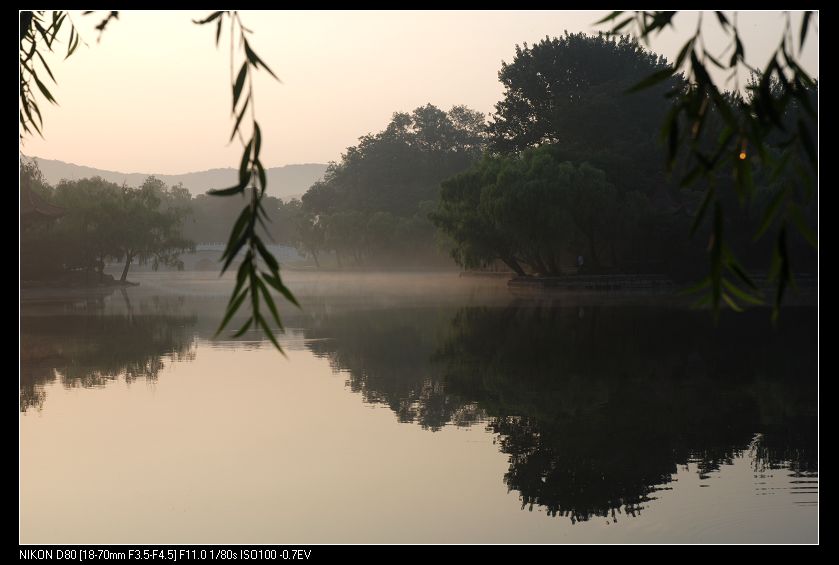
413 409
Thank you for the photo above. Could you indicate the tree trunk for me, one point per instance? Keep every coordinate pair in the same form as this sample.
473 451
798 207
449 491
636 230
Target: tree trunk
338 258
553 265
315 257
128 258
539 264
513 264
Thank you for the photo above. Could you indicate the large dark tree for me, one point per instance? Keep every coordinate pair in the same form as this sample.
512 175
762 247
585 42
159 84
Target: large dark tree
571 91
148 225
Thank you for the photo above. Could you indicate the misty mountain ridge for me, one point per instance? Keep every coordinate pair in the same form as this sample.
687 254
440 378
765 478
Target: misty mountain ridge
286 182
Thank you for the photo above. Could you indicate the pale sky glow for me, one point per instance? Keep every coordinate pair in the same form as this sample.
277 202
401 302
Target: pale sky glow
153 96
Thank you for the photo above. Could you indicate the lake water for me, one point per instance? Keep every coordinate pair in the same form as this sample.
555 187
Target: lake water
413 409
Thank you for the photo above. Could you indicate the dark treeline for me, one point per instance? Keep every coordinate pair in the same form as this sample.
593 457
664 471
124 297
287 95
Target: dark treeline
568 165
78 226
71 231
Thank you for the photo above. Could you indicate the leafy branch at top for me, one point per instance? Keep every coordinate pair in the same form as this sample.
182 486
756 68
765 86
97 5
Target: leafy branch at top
39 30
751 124
259 271
100 27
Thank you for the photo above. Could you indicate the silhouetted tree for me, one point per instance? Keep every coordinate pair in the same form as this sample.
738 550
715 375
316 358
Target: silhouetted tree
372 206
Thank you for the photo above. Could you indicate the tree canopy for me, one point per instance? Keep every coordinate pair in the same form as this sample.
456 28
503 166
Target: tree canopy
372 207
103 221
536 212
570 91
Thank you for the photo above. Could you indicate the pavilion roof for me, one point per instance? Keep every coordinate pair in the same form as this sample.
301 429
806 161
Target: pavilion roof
32 205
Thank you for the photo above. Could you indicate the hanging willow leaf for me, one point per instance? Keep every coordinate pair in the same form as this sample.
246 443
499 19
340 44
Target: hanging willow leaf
263 181
771 211
239 84
270 334
622 24
700 214
43 89
244 167
241 277
227 191
714 60
218 31
47 67
29 120
733 305
250 281
738 270
236 233
610 17
244 328
231 310
269 259
74 42
741 294
239 118
269 300
683 53
805 25
234 249
277 283
257 141
209 18
653 79
257 62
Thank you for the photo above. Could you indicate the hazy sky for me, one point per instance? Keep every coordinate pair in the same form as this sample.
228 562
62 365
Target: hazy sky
154 97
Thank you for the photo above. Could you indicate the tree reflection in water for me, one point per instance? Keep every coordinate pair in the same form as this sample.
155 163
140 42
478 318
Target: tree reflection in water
85 343
596 408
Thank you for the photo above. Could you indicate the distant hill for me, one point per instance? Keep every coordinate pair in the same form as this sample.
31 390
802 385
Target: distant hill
290 181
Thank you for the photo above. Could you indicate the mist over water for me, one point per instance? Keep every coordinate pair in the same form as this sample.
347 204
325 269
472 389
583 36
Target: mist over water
421 407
